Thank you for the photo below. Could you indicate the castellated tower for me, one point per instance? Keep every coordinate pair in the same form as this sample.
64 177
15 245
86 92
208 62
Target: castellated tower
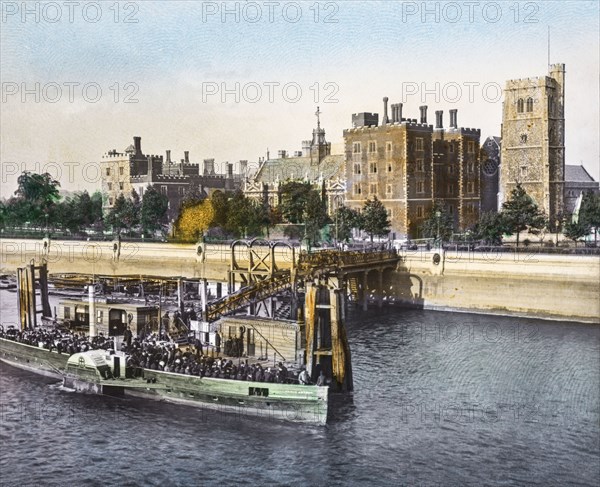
533 139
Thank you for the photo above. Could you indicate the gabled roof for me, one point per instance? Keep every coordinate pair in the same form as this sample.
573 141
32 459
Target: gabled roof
271 170
577 174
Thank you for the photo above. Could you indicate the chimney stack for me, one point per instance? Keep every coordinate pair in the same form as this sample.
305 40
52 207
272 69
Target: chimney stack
168 157
243 167
385 120
230 171
186 155
453 123
423 109
438 119
137 143
398 112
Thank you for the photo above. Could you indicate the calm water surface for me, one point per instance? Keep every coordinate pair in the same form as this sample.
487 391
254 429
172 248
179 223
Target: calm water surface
440 399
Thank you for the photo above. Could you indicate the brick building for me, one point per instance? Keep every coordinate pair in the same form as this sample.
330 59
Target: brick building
408 164
124 172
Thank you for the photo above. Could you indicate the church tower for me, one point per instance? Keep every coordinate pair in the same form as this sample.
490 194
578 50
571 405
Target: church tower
533 139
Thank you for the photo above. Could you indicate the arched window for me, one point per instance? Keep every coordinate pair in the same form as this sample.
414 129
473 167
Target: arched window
530 104
550 105
520 105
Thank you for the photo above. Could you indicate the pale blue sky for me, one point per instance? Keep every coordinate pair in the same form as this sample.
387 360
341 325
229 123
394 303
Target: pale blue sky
372 51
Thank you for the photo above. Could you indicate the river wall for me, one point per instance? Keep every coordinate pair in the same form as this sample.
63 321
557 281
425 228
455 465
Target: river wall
565 287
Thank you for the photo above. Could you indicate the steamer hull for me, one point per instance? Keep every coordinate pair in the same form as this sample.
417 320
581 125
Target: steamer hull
272 401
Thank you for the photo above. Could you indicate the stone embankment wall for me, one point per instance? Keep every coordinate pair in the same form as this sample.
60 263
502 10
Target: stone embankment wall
528 284
523 284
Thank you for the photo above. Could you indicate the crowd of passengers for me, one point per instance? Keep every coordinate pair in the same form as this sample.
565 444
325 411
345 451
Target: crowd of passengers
57 340
154 354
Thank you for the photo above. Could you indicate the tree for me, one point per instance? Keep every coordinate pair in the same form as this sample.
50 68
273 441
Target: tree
490 228
345 220
194 220
375 219
154 210
41 191
294 199
576 230
520 213
439 224
315 217
220 203
124 214
589 212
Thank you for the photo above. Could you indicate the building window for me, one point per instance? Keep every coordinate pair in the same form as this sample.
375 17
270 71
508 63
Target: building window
419 212
180 190
121 171
419 144
357 189
372 146
470 209
470 187
356 149
109 186
471 147
163 190
99 316
450 189
108 171
110 201
121 186
451 148
389 167
450 169
451 209
373 167
373 188
530 104
520 105
420 187
390 213
420 165
388 189
523 171
357 168
471 167
388 147
67 313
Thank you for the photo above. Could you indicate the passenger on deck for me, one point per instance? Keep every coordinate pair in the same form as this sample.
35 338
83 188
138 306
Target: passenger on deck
303 377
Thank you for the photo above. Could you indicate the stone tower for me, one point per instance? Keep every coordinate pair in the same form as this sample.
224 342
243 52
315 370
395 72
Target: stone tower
533 139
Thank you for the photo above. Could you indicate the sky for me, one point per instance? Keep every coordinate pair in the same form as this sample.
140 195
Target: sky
231 80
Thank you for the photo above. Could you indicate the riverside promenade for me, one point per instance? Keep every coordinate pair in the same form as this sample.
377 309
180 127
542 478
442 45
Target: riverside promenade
555 286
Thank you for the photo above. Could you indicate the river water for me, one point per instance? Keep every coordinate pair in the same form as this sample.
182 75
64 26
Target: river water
441 399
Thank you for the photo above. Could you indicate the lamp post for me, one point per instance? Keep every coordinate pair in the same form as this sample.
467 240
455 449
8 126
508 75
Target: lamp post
438 214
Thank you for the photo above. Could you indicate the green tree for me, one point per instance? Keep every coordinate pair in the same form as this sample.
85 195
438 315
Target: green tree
345 220
153 210
315 217
374 218
439 223
589 212
124 214
294 200
220 203
41 191
521 213
490 228
576 230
